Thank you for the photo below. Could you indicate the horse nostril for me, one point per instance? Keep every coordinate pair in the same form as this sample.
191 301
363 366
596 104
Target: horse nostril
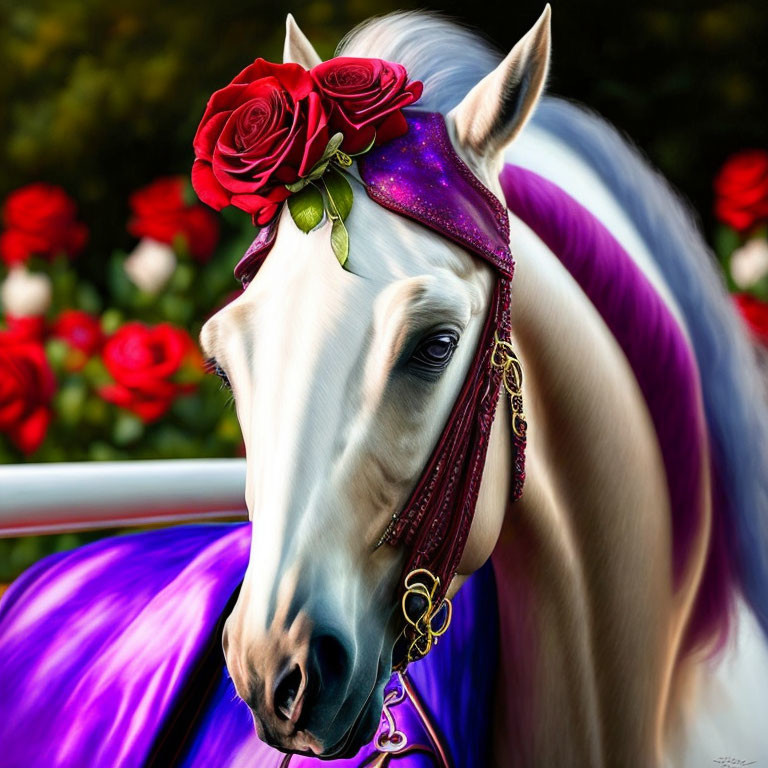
286 692
332 660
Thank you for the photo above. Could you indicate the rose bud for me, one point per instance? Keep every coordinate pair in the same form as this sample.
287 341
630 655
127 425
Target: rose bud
150 265
25 294
741 190
750 262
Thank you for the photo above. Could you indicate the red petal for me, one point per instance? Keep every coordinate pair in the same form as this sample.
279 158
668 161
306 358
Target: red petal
31 432
207 187
208 134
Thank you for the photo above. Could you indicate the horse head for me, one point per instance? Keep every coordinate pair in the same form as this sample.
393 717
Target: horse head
343 380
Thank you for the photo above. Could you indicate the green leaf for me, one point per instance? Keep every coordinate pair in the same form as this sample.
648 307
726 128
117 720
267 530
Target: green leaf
297 186
727 240
69 402
318 170
306 208
340 241
339 193
57 352
111 320
127 429
320 167
332 146
88 298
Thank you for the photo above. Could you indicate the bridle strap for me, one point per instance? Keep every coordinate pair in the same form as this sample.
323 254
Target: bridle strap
434 524
421 176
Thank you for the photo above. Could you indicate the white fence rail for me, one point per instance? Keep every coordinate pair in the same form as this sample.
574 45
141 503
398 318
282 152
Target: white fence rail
49 498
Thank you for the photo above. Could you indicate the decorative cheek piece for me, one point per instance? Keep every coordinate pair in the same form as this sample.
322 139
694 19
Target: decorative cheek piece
425 619
420 176
504 359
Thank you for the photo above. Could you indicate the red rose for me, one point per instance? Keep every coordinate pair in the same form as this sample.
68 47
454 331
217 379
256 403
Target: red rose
144 362
82 331
364 97
263 131
741 190
160 213
26 328
27 385
40 221
755 313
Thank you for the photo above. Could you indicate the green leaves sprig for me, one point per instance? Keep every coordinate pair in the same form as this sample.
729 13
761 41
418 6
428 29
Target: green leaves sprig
326 191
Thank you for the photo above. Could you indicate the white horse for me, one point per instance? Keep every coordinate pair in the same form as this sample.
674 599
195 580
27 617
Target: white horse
595 664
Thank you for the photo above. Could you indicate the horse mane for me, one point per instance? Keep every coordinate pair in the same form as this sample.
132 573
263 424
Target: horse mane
450 59
731 383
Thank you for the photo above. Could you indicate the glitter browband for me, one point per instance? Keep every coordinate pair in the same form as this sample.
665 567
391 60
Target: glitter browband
419 175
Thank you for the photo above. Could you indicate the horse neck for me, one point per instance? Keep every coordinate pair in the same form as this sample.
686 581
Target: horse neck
590 621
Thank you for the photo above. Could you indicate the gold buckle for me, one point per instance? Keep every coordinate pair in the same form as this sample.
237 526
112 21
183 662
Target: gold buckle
504 358
342 158
419 630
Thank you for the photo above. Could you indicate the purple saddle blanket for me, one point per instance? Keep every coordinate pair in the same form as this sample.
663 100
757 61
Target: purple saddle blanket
110 656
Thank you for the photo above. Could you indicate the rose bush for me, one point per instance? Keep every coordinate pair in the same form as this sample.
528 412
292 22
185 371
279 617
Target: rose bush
40 220
27 385
741 190
365 98
81 331
145 363
26 328
264 130
160 213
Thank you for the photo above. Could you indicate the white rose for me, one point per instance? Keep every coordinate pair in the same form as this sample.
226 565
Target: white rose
25 294
750 262
151 265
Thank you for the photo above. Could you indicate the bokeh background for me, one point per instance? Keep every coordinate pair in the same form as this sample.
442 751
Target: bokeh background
103 98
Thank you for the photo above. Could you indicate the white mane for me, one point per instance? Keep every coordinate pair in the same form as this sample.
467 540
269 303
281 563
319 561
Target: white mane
448 58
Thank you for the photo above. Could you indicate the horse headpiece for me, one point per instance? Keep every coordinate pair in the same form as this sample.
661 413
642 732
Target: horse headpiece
281 134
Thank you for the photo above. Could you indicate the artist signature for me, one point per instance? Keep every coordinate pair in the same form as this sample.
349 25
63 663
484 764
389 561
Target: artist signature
733 762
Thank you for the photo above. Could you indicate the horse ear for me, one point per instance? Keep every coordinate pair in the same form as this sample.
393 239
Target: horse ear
297 49
495 110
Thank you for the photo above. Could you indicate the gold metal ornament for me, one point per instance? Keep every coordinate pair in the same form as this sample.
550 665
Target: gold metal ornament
342 158
504 358
419 631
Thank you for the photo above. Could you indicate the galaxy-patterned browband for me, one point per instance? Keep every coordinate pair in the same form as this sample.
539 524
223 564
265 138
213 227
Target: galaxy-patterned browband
419 175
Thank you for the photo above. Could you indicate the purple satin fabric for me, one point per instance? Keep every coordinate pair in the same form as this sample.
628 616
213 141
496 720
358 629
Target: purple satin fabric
96 643
99 647
660 357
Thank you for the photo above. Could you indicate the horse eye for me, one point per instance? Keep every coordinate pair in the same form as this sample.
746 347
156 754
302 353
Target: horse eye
435 352
212 366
